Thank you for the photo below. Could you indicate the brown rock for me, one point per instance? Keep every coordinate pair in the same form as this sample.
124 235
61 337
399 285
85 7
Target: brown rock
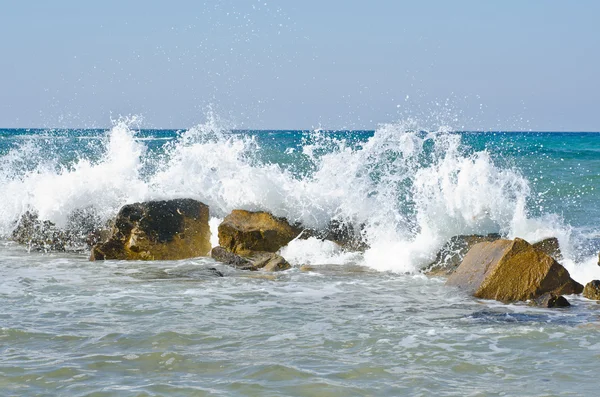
550 300
592 290
452 253
550 247
511 270
253 260
158 230
244 231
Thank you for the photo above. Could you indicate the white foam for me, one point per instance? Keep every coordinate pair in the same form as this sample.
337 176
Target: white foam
313 251
411 191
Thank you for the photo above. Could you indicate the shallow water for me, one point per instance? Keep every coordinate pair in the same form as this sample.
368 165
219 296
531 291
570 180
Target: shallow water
77 328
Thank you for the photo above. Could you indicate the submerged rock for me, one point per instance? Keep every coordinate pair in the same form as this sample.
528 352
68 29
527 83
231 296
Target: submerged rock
253 260
550 247
592 290
511 270
158 230
550 300
452 253
244 231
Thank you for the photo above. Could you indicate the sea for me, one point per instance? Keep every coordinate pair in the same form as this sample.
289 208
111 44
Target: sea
339 323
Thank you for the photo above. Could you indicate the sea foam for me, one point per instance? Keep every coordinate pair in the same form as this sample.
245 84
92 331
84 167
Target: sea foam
407 190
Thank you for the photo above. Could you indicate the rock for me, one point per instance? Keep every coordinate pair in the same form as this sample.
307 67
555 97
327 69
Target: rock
253 260
244 231
222 255
346 235
511 270
83 227
550 300
452 253
550 247
592 290
39 235
158 230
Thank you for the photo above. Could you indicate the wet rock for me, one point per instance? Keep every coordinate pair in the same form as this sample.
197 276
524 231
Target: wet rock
452 253
345 234
592 290
83 227
216 272
550 247
158 230
511 270
251 260
244 231
39 235
550 300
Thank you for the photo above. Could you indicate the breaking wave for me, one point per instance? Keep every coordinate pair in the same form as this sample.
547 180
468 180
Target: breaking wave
407 190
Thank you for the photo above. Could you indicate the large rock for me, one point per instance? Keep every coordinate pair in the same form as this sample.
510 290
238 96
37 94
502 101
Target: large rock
511 270
452 253
245 231
592 290
158 230
254 260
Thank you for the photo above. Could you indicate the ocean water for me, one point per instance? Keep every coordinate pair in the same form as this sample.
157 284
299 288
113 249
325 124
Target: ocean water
356 324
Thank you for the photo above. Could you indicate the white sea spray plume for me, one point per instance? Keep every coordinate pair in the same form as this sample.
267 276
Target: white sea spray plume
54 191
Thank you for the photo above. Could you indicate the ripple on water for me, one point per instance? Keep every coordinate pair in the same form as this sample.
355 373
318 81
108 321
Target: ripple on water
96 330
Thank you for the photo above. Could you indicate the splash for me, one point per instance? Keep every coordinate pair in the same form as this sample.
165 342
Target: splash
407 190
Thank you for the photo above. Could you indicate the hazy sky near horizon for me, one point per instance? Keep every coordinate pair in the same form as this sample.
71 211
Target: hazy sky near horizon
511 65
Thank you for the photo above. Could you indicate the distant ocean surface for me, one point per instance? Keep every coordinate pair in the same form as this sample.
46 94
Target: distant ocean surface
358 324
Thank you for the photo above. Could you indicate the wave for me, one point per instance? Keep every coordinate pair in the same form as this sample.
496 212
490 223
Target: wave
409 189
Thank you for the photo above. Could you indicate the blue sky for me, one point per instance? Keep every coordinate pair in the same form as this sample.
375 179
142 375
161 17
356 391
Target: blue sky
513 65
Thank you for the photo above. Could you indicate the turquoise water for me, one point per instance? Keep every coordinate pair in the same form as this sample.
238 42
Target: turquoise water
356 324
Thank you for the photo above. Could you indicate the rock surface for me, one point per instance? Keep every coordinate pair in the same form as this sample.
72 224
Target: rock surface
511 270
254 260
550 247
244 231
347 235
592 290
81 232
158 230
452 253
550 300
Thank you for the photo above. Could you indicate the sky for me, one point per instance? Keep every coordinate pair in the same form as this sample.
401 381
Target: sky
277 64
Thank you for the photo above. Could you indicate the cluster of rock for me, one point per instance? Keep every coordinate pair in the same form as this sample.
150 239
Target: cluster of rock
250 240
490 267
511 270
80 233
179 229
487 267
